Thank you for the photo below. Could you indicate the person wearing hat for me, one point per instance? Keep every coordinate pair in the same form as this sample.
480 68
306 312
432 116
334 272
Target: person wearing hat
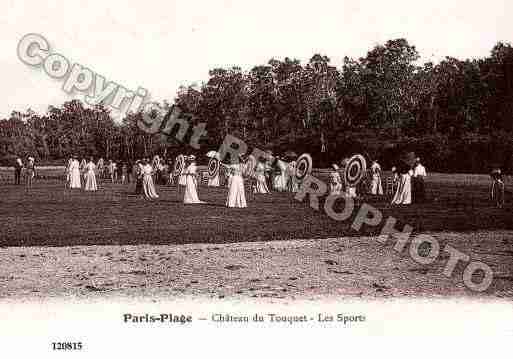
236 194
75 181
335 181
419 173
191 182
90 176
403 193
261 180
376 184
137 175
30 172
280 176
147 180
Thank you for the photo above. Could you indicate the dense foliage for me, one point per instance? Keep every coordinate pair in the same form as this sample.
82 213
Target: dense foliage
457 114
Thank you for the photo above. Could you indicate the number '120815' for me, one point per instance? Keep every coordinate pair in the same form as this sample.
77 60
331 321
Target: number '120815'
67 346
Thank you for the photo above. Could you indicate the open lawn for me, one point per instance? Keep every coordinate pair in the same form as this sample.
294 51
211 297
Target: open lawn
50 215
110 243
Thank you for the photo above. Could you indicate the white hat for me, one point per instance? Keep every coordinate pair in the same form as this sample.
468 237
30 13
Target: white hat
335 167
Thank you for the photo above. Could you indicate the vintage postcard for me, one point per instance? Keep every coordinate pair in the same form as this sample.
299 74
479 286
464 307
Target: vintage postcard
256 178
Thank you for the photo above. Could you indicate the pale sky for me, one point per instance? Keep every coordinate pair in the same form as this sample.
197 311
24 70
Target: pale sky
160 45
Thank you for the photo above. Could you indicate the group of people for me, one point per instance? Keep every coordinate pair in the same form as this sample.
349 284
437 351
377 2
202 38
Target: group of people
407 183
77 172
27 169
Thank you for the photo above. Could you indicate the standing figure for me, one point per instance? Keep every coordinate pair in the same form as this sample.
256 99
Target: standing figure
497 188
403 192
147 181
419 173
279 181
30 172
18 166
83 164
112 170
181 177
261 182
293 183
100 168
191 182
75 181
137 175
68 172
376 184
124 173
90 176
236 194
335 181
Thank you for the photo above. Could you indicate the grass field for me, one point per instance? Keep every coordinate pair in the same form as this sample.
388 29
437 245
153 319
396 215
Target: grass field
52 216
55 242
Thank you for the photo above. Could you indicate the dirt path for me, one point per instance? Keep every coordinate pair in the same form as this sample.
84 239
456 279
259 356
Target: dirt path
309 269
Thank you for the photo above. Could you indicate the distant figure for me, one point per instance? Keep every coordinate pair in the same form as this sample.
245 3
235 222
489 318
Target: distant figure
30 172
137 170
293 183
376 184
191 182
280 176
147 181
236 194
18 166
335 181
100 166
75 174
90 176
124 173
497 188
113 171
419 173
403 192
261 181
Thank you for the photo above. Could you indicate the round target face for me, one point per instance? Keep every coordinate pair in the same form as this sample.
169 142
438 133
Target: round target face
179 165
355 170
213 168
303 166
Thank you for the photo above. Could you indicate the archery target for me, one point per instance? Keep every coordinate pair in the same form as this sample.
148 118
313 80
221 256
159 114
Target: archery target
303 166
355 170
213 168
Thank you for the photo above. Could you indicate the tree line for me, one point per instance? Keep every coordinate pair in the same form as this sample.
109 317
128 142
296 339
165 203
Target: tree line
456 114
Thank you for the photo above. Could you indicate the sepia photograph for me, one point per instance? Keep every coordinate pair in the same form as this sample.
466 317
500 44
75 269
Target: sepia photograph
337 168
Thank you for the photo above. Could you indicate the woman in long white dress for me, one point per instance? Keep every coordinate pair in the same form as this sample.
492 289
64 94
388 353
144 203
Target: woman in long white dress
147 181
376 184
261 181
191 183
75 181
403 192
90 176
236 194
335 181
279 181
